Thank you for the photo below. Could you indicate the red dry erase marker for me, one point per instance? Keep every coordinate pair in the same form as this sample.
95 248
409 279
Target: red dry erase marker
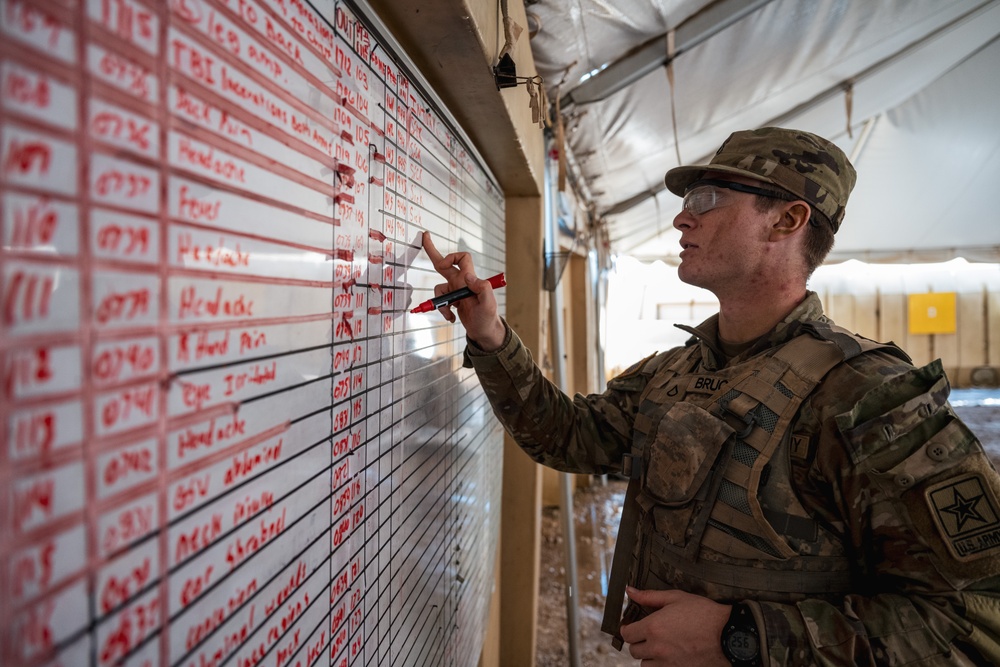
496 281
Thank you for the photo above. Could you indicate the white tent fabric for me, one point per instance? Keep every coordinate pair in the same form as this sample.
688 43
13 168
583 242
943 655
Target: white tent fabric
909 88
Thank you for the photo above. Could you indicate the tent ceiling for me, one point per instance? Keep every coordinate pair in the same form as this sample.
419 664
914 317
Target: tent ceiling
908 88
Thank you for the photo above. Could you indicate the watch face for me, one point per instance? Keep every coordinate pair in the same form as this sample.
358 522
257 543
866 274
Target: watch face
742 645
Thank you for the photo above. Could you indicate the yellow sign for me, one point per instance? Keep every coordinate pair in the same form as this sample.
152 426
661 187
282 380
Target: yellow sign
932 313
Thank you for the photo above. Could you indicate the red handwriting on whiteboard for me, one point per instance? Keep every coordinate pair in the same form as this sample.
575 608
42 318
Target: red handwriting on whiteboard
346 444
38 496
117 183
194 108
314 650
111 125
138 459
123 305
123 585
28 156
337 643
35 224
338 587
133 625
341 474
186 493
242 547
36 633
314 30
223 35
341 359
347 327
245 464
190 440
194 586
245 509
353 98
193 540
24 91
124 239
341 419
345 497
278 629
131 358
346 300
341 532
22 17
342 388
28 369
127 20
206 158
192 62
280 39
196 395
33 569
255 96
204 345
193 305
284 652
251 340
196 209
215 618
141 400
126 74
130 524
34 433
213 255
232 639
265 60
259 375
232 128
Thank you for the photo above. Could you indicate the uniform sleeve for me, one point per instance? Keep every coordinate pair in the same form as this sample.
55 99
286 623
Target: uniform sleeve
584 434
916 500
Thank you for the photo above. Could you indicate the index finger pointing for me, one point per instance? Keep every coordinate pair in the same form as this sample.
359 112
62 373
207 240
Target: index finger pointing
432 252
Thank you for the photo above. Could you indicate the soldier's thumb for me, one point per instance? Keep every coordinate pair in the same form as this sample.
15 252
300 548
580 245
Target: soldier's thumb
650 599
475 284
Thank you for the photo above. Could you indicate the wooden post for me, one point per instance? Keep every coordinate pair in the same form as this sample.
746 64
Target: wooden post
520 520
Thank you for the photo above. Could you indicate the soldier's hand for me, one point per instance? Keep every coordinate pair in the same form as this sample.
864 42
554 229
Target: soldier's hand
684 630
479 313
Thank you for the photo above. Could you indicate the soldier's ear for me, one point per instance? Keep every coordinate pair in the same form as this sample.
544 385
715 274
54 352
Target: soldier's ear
793 216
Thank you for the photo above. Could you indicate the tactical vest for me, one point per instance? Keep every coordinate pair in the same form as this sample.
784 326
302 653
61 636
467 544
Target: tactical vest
710 493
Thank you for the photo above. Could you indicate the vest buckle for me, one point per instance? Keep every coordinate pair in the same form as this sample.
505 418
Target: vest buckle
749 419
629 467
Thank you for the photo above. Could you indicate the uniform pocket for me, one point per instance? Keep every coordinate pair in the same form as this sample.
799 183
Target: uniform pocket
680 456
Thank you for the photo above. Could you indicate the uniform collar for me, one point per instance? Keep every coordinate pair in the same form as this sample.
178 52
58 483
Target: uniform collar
706 334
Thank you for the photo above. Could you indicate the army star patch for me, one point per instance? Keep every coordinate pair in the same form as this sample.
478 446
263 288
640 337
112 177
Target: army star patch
967 514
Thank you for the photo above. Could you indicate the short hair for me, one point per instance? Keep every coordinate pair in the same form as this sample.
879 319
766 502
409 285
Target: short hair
819 232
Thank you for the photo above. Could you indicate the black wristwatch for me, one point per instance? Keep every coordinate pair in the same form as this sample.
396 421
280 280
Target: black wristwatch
740 638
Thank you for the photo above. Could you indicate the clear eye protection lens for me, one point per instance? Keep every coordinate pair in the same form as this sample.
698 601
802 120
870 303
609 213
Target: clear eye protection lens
701 200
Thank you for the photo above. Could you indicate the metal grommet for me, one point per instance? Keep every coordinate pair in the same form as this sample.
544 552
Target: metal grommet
905 480
937 452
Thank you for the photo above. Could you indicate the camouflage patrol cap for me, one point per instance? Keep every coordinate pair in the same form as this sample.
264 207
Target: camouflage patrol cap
804 164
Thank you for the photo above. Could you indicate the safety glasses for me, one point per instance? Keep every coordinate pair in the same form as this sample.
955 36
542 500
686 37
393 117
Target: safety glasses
704 195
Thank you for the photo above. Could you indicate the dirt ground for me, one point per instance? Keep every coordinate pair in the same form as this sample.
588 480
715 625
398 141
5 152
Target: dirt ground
598 511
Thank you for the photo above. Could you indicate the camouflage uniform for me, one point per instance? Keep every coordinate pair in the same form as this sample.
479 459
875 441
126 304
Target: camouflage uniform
855 514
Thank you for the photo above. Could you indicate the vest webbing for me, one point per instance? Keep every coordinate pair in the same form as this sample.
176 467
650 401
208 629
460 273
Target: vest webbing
811 355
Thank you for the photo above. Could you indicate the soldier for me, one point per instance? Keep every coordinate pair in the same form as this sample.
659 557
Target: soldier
798 494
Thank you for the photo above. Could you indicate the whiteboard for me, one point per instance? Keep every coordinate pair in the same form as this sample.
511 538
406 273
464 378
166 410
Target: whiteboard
226 440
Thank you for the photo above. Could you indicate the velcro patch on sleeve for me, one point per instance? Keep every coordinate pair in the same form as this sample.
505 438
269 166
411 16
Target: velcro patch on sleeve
967 515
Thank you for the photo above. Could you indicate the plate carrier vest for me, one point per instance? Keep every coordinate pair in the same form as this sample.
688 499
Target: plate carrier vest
704 444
